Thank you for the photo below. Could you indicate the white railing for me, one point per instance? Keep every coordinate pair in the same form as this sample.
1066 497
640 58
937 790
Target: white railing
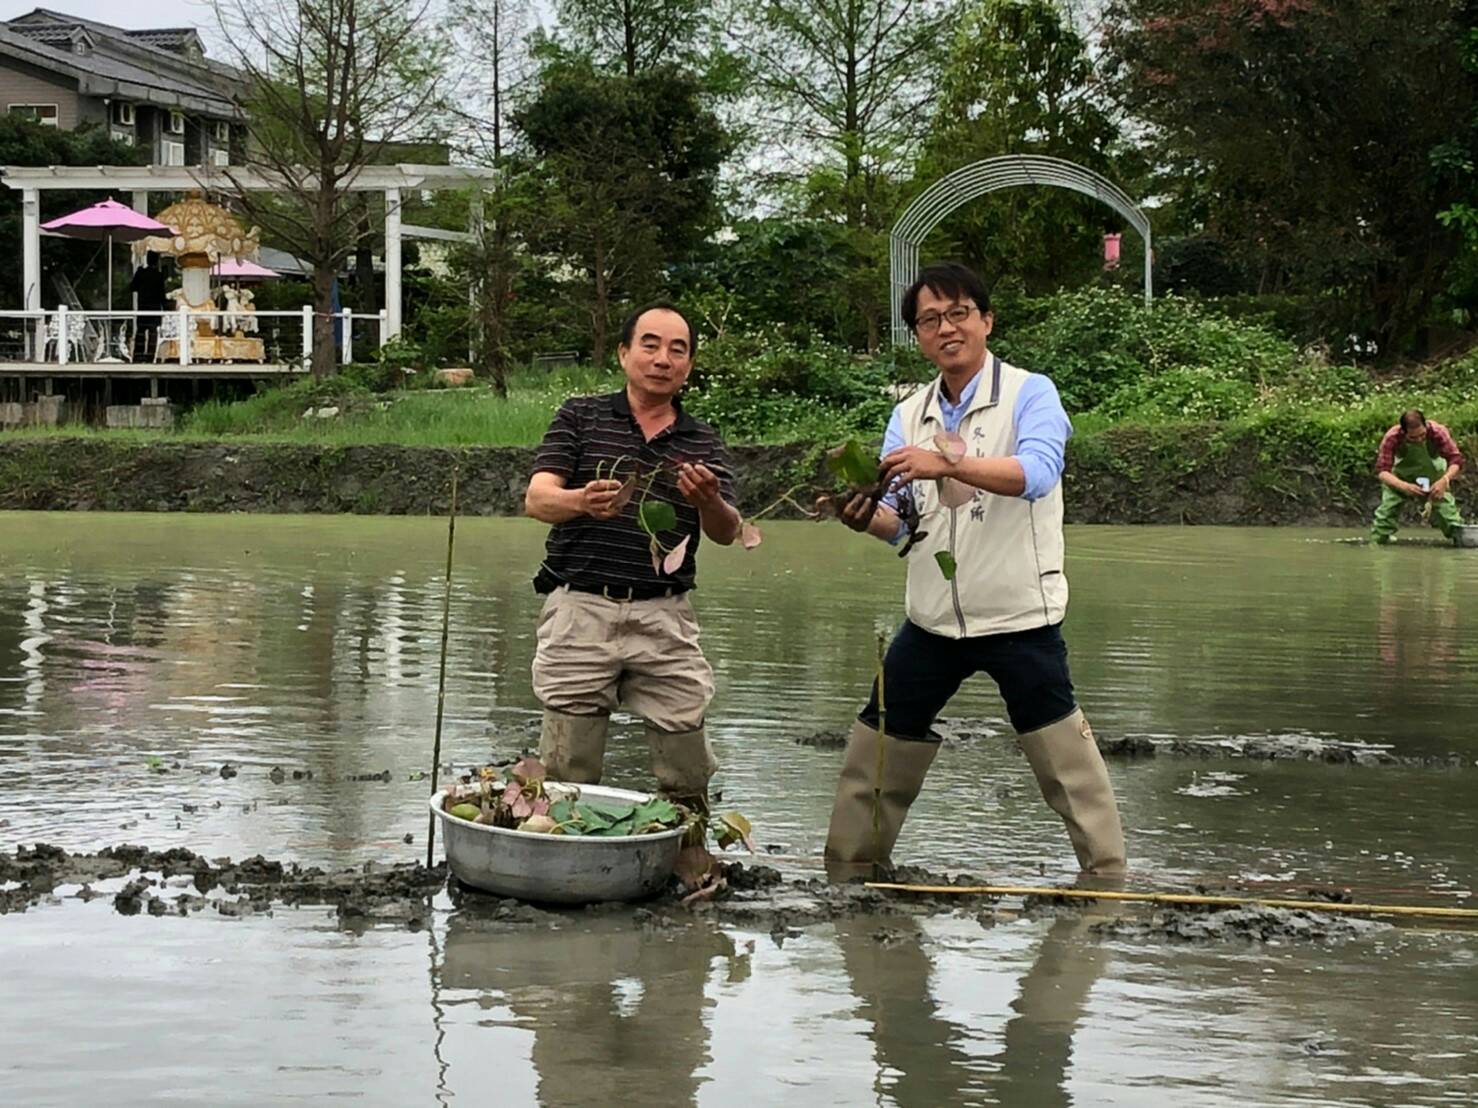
65 336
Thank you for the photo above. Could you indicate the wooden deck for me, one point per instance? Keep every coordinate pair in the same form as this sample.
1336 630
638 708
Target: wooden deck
197 371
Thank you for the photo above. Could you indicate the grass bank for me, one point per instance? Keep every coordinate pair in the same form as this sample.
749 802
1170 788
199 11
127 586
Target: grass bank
1182 413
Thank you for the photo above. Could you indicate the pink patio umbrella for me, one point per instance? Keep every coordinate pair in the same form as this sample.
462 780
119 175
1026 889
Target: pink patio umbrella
238 269
107 220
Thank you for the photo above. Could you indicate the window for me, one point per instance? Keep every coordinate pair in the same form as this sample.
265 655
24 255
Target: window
223 133
174 153
220 157
125 137
177 124
44 114
123 113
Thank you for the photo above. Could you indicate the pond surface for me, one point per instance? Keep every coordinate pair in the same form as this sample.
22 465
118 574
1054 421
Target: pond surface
131 643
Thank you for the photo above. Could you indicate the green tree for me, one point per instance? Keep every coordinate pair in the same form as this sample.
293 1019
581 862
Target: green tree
1019 80
26 142
637 35
623 174
496 34
1457 160
328 85
1300 134
775 273
842 87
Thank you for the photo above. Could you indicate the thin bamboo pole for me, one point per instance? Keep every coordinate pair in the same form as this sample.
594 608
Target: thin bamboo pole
446 615
1179 898
877 777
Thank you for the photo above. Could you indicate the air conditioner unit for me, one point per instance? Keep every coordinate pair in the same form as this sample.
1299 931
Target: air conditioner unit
220 157
125 137
177 123
123 114
174 153
223 133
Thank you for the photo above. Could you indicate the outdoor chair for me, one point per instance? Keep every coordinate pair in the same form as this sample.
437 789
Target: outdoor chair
123 339
169 331
76 339
111 340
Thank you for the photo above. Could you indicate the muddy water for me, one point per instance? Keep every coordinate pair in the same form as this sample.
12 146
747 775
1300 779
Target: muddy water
139 655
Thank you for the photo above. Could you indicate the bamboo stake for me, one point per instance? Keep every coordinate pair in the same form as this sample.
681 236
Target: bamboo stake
877 780
1179 898
446 614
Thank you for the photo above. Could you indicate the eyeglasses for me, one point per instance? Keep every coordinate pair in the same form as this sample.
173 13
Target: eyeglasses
928 324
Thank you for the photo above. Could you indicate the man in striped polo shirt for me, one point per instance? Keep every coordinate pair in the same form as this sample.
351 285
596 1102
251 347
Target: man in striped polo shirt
617 628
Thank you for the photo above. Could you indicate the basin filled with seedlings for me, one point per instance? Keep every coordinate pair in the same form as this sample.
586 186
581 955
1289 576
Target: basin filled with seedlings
513 832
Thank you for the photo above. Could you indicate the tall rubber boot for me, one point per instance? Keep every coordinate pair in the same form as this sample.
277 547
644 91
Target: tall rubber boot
683 763
1075 783
573 748
854 846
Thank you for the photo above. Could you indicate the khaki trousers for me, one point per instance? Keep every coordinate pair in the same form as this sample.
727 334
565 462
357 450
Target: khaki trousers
593 655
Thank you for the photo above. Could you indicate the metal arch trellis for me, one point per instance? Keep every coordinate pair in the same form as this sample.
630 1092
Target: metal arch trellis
973 181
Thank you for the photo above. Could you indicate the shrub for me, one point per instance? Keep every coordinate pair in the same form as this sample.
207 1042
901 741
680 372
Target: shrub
765 388
1315 383
1094 342
1180 394
398 363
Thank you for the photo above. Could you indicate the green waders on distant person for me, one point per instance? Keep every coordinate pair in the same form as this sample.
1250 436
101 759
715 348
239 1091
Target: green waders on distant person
1413 462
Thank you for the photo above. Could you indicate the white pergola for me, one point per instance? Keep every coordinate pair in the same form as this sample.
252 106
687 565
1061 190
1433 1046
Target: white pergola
140 181
970 182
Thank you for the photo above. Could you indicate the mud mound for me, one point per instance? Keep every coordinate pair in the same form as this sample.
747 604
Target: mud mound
1248 923
398 892
756 895
1292 746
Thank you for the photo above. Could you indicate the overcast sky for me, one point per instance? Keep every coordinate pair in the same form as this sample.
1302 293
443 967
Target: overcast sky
132 14
127 13
135 14
139 14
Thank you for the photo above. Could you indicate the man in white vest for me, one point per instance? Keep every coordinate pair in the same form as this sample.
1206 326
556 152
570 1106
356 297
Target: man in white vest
993 504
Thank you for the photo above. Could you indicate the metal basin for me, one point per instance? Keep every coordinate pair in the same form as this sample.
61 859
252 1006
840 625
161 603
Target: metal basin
560 869
1467 535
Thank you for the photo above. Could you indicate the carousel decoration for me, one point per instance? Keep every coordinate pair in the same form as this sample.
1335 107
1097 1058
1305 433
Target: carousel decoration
203 236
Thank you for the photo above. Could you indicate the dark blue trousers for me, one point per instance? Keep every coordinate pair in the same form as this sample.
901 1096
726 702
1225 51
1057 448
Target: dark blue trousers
921 671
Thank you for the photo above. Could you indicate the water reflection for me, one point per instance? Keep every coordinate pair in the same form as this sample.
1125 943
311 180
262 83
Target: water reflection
33 677
925 1058
1037 1055
1194 631
1246 631
1417 638
593 1011
918 1057
312 644
600 1002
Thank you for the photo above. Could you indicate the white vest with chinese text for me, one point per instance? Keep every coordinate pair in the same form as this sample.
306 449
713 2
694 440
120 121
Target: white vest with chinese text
1008 551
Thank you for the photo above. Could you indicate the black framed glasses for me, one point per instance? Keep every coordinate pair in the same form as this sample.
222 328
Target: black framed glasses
928 323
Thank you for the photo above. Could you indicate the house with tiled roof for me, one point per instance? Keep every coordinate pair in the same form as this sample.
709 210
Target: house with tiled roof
151 87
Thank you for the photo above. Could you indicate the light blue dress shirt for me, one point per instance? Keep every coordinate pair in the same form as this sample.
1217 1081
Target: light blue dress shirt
1042 431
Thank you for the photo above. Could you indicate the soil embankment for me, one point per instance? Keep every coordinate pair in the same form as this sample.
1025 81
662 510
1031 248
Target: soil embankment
179 882
1120 476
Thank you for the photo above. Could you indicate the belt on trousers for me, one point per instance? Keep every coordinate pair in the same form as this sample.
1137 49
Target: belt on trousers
630 592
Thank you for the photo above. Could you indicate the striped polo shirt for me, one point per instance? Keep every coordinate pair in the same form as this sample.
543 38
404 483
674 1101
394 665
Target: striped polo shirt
588 430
